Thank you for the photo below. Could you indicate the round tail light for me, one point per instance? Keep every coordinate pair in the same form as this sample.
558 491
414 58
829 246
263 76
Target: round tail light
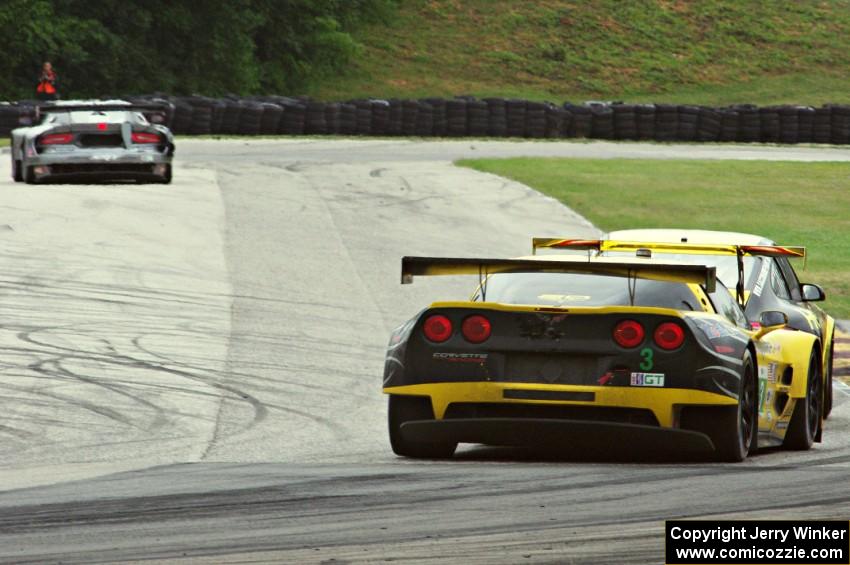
628 333
669 335
476 329
437 328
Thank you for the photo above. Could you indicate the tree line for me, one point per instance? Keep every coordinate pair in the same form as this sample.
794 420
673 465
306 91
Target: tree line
210 47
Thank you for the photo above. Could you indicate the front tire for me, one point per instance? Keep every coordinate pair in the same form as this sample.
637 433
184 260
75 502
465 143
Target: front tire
827 382
406 409
17 170
805 421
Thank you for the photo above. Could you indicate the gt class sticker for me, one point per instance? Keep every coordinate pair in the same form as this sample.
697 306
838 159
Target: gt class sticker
647 379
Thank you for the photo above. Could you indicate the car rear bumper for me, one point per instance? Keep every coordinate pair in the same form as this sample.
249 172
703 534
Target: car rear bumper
102 163
99 156
100 171
664 404
575 434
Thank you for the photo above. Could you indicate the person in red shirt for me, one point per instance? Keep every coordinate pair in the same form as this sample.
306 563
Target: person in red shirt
46 89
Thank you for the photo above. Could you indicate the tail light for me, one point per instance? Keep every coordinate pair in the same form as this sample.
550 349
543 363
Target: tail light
56 139
437 328
143 137
669 335
476 329
629 333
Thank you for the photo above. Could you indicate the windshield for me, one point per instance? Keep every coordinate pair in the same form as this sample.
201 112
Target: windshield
572 289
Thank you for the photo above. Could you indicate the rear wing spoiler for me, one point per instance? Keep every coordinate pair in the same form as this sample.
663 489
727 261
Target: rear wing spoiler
150 110
436 266
661 247
739 251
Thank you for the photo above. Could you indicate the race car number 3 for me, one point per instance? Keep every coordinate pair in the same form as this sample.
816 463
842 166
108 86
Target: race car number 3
648 363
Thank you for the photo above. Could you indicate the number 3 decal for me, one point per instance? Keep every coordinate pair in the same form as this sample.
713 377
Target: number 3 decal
647 364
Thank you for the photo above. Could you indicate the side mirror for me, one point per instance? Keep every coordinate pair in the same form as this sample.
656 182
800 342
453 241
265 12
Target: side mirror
771 320
812 293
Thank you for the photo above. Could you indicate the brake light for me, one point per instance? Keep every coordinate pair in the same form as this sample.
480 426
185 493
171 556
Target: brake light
437 328
629 333
142 137
476 329
669 336
56 139
102 126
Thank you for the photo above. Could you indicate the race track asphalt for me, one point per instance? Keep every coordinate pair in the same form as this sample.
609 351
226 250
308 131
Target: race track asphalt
192 372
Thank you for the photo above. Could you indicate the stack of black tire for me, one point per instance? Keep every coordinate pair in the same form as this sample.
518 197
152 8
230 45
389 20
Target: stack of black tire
515 117
477 117
625 121
840 123
687 126
708 125
557 121
424 126
491 117
666 122
456 118
271 118
497 117
602 123
581 120
347 118
201 115
15 116
645 121
822 125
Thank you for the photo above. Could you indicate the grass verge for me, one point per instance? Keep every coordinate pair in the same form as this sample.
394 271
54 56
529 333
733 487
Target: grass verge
792 203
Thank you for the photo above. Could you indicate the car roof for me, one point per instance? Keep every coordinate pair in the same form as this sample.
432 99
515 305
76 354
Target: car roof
689 236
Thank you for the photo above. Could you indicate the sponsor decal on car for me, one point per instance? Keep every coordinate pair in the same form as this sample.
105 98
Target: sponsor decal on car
461 357
647 379
757 290
771 372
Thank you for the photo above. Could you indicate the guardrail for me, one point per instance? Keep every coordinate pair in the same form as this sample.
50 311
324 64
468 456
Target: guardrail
489 117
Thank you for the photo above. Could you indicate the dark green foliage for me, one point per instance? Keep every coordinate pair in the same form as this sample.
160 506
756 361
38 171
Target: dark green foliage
214 47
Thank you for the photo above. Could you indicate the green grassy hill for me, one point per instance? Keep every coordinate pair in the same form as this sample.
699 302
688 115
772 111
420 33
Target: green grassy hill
710 52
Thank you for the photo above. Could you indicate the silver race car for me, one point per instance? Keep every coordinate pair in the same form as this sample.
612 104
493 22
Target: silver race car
94 140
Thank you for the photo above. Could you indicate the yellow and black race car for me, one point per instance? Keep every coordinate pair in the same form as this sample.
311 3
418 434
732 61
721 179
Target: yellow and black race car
579 350
764 281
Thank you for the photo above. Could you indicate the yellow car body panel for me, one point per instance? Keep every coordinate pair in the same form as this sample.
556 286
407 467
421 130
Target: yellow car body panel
662 402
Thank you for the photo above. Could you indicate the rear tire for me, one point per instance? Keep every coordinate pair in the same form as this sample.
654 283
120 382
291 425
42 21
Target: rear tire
17 170
29 175
805 421
409 408
166 178
732 429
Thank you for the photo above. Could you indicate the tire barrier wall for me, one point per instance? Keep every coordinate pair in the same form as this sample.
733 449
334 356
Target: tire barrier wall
465 116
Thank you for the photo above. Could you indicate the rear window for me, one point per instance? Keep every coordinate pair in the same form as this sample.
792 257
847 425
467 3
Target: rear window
96 116
571 289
